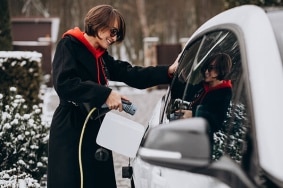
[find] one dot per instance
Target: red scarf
(200, 96)
(96, 52)
(224, 84)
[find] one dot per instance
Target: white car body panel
(262, 60)
(258, 36)
(159, 177)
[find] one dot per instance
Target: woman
(211, 98)
(81, 68)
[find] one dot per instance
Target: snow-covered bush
(12, 179)
(23, 137)
(230, 140)
(21, 70)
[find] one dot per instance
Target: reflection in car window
(231, 139)
(210, 97)
(184, 70)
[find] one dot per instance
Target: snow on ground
(51, 99)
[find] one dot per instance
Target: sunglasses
(210, 67)
(114, 32)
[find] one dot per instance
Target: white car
(247, 152)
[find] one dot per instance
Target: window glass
(231, 139)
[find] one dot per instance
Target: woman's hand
(184, 113)
(114, 101)
(172, 69)
(187, 113)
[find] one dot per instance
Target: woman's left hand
(172, 69)
(184, 113)
(187, 113)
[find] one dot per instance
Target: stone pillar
(183, 41)
(150, 57)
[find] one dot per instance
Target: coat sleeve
(71, 79)
(136, 76)
(215, 107)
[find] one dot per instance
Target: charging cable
(128, 107)
(80, 146)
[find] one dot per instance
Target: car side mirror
(186, 144)
(185, 141)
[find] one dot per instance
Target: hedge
(21, 70)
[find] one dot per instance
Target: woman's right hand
(114, 101)
(185, 113)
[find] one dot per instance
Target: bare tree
(207, 9)
(28, 4)
(233, 3)
(142, 17)
(168, 20)
(5, 30)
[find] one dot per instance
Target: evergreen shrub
(23, 71)
(23, 137)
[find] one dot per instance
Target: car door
(232, 140)
(245, 152)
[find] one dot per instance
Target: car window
(233, 137)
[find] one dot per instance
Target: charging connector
(129, 108)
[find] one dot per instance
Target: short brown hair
(222, 63)
(102, 17)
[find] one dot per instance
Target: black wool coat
(211, 104)
(76, 77)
